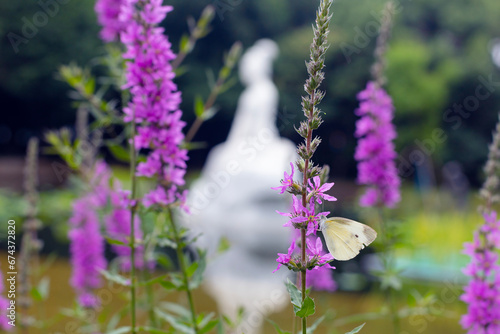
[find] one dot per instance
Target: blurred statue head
(257, 62)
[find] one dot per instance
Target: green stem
(303, 275)
(132, 226)
(182, 265)
(388, 261)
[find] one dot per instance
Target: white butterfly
(345, 238)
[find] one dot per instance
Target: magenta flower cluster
(86, 240)
(108, 12)
(482, 294)
(117, 225)
(305, 217)
(375, 150)
(155, 100)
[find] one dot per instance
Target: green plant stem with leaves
(133, 209)
(204, 111)
(390, 272)
(182, 266)
(314, 68)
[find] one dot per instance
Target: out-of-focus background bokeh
(443, 74)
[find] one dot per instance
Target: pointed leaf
(307, 309)
(154, 330)
(314, 326)
(115, 278)
(112, 241)
(121, 330)
(192, 269)
(356, 330)
(119, 152)
(199, 106)
(179, 326)
(277, 327)
(295, 295)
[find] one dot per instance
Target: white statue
(233, 199)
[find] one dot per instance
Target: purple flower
(286, 182)
(317, 254)
(108, 16)
(321, 279)
(285, 258)
(155, 101)
(87, 250)
(118, 227)
(159, 196)
(317, 190)
(482, 294)
(300, 214)
(375, 150)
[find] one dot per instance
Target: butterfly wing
(345, 238)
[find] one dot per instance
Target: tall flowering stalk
(482, 294)
(312, 189)
(376, 156)
(375, 151)
(152, 112)
(30, 244)
(86, 240)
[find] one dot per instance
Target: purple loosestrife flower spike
(375, 150)
(482, 294)
(108, 16)
(87, 250)
(155, 100)
(118, 228)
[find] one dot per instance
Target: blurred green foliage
(437, 53)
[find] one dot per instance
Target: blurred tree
(437, 54)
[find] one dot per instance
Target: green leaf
(209, 113)
(119, 152)
(177, 309)
(41, 292)
(197, 278)
(295, 295)
(176, 324)
(220, 326)
(209, 326)
(277, 327)
(199, 106)
(192, 269)
(112, 241)
(307, 309)
(168, 285)
(184, 44)
(224, 245)
(314, 326)
(89, 86)
(356, 330)
(121, 330)
(115, 278)
(164, 261)
(152, 280)
(154, 330)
